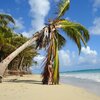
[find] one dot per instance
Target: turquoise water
(93, 74)
(88, 79)
(84, 71)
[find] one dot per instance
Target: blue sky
(31, 16)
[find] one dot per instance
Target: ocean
(88, 79)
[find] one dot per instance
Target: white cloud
(19, 23)
(88, 51)
(86, 60)
(70, 59)
(38, 12)
(95, 29)
(73, 55)
(89, 56)
(26, 34)
(64, 57)
(96, 5)
(39, 60)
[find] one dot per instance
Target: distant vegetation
(9, 42)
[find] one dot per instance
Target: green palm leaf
(67, 24)
(7, 17)
(63, 7)
(1, 39)
(75, 31)
(74, 36)
(61, 40)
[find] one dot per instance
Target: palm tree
(5, 30)
(24, 58)
(52, 40)
(55, 40)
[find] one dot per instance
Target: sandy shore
(30, 88)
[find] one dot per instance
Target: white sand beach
(29, 87)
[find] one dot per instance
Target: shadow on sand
(25, 81)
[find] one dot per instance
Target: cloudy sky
(31, 16)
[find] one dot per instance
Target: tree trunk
(20, 66)
(7, 60)
(0, 79)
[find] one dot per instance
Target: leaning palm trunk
(7, 60)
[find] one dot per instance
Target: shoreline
(29, 87)
(89, 85)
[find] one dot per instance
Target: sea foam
(94, 76)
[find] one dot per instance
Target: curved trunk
(7, 60)
(20, 66)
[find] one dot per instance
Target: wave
(94, 76)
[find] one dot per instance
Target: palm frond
(63, 7)
(43, 38)
(1, 39)
(61, 40)
(84, 32)
(67, 24)
(7, 17)
(3, 22)
(74, 36)
(75, 31)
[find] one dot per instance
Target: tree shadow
(25, 81)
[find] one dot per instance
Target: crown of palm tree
(5, 19)
(5, 30)
(51, 38)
